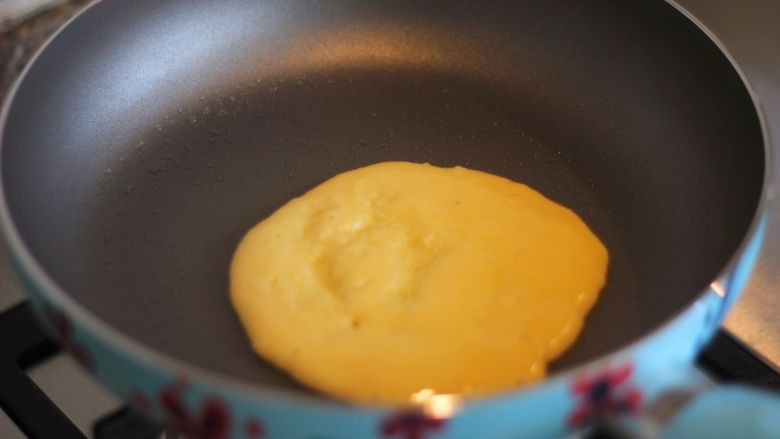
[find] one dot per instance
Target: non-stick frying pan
(148, 136)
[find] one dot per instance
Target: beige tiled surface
(7, 428)
(78, 395)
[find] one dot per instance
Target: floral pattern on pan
(607, 392)
(211, 418)
(411, 424)
(63, 328)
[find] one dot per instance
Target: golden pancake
(398, 277)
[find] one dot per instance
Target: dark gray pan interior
(151, 134)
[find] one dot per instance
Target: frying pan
(148, 136)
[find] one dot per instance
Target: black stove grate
(23, 344)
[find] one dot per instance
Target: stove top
(44, 394)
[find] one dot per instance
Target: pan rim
(159, 360)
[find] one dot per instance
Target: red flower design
(253, 428)
(411, 424)
(608, 392)
(212, 420)
(63, 327)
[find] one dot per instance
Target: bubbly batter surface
(398, 277)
